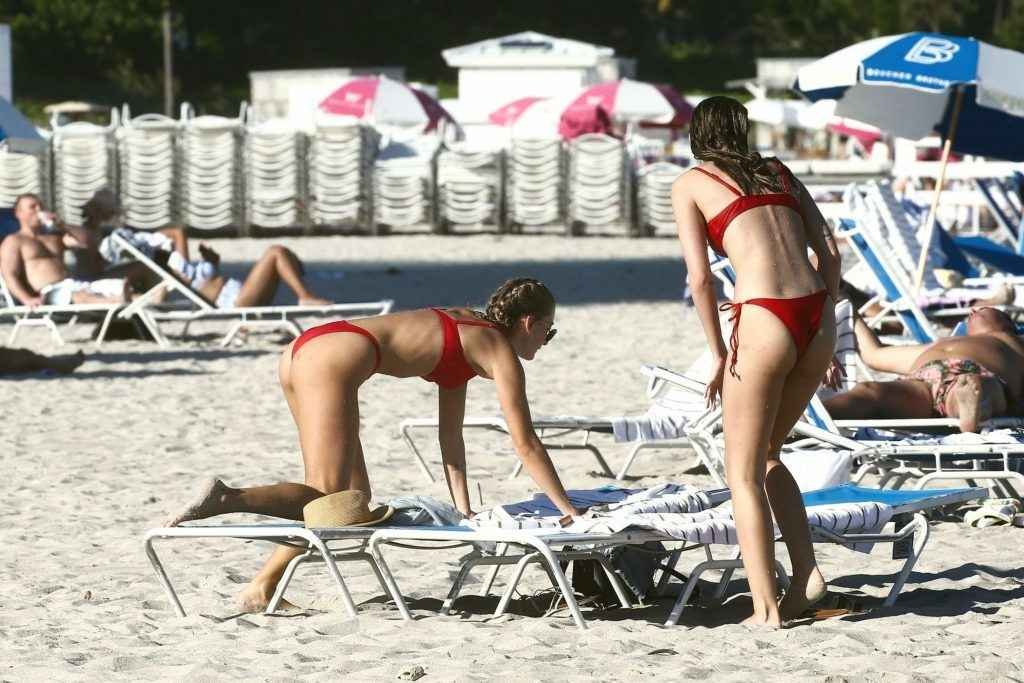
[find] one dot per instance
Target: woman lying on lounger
(322, 370)
(170, 246)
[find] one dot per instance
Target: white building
(497, 71)
(294, 94)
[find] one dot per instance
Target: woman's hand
(713, 394)
(835, 374)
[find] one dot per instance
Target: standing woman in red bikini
(322, 370)
(754, 210)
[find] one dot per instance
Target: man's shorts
(60, 293)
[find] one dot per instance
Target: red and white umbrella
(513, 111)
(382, 100)
(593, 109)
(630, 101)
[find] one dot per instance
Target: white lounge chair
(198, 308)
(48, 316)
(843, 515)
(661, 427)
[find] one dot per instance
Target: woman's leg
(766, 354)
(277, 263)
(906, 398)
(807, 585)
(326, 412)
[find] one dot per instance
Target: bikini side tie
(734, 339)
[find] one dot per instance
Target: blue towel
(994, 254)
(541, 506)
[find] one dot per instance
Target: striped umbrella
(384, 101)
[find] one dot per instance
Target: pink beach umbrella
(382, 100)
(550, 116)
(630, 101)
(511, 112)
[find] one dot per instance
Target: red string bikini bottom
(801, 316)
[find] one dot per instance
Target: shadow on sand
(418, 284)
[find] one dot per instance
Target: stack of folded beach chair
(274, 169)
(470, 184)
(403, 183)
(210, 186)
(654, 197)
(147, 158)
(535, 194)
(21, 173)
(340, 157)
(84, 160)
(598, 183)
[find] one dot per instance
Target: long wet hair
(718, 133)
(517, 298)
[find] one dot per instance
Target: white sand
(91, 461)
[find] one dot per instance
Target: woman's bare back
(411, 342)
(767, 245)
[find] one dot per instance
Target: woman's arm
(877, 356)
(819, 236)
(510, 381)
(451, 409)
(693, 237)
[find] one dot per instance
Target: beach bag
(635, 566)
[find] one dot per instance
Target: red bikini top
(452, 370)
(720, 223)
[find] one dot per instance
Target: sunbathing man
(322, 371)
(32, 263)
(970, 378)
(277, 263)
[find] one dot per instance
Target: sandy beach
(92, 460)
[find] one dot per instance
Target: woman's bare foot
(802, 594)
(207, 503)
(256, 597)
(313, 301)
(967, 403)
(762, 622)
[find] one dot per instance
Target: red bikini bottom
(801, 316)
(331, 328)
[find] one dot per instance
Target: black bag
(119, 328)
(635, 566)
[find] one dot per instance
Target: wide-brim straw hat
(344, 508)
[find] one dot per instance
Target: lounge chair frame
(198, 308)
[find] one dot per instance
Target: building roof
(528, 48)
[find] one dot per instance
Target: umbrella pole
(930, 224)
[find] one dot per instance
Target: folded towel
(655, 425)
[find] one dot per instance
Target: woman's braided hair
(718, 133)
(519, 297)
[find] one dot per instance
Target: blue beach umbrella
(915, 84)
(909, 84)
(20, 134)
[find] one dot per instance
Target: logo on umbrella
(931, 50)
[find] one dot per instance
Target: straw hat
(344, 508)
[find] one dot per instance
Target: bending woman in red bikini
(322, 370)
(757, 212)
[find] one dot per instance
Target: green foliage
(110, 51)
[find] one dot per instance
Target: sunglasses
(550, 335)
